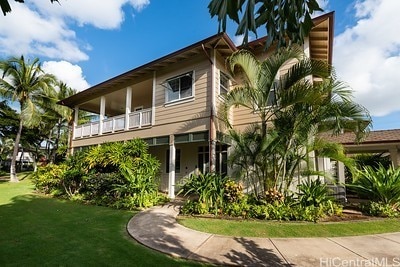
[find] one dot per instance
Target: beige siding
(187, 110)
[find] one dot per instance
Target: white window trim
(180, 100)
(221, 73)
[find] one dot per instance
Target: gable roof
(320, 37)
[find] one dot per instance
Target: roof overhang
(220, 42)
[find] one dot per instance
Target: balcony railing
(136, 120)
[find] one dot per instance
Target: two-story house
(172, 103)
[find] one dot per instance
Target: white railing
(136, 119)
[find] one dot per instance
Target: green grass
(249, 228)
(41, 231)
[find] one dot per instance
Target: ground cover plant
(122, 175)
(43, 231)
(212, 193)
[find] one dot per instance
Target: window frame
(179, 99)
(228, 79)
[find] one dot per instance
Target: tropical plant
(292, 110)
(5, 5)
(314, 193)
(209, 188)
(26, 83)
(379, 185)
(282, 19)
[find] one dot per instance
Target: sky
(87, 42)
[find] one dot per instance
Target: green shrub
(233, 191)
(381, 209)
(209, 188)
(194, 207)
(378, 184)
(48, 179)
(313, 193)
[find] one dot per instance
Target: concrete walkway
(157, 228)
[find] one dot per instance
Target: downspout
(212, 141)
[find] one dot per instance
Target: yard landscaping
(38, 231)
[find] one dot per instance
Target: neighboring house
(383, 141)
(172, 104)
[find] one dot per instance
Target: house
(172, 103)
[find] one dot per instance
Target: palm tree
(296, 108)
(26, 83)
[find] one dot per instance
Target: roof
(373, 137)
(219, 41)
(321, 42)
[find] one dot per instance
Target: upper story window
(223, 83)
(179, 87)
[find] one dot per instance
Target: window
(177, 161)
(180, 87)
(203, 159)
(223, 83)
(221, 164)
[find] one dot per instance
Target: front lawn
(255, 228)
(38, 231)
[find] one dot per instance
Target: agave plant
(378, 184)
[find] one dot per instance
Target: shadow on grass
(159, 230)
(37, 231)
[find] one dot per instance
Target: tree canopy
(5, 5)
(282, 18)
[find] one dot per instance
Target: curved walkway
(157, 228)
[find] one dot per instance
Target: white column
(394, 156)
(213, 107)
(341, 173)
(172, 158)
(153, 100)
(102, 113)
(128, 106)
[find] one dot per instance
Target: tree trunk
(13, 172)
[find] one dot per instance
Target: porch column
(153, 100)
(102, 113)
(128, 106)
(394, 156)
(341, 173)
(213, 108)
(172, 158)
(76, 120)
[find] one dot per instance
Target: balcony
(136, 120)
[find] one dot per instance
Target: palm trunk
(13, 173)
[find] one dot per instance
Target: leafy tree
(282, 19)
(26, 83)
(5, 5)
(292, 110)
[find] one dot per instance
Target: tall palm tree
(295, 107)
(26, 83)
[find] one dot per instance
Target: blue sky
(87, 42)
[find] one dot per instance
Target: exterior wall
(188, 162)
(188, 115)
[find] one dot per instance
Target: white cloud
(43, 29)
(367, 55)
(68, 73)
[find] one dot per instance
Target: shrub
(313, 193)
(378, 184)
(194, 207)
(233, 191)
(48, 179)
(381, 209)
(209, 188)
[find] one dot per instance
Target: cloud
(367, 56)
(43, 29)
(68, 73)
